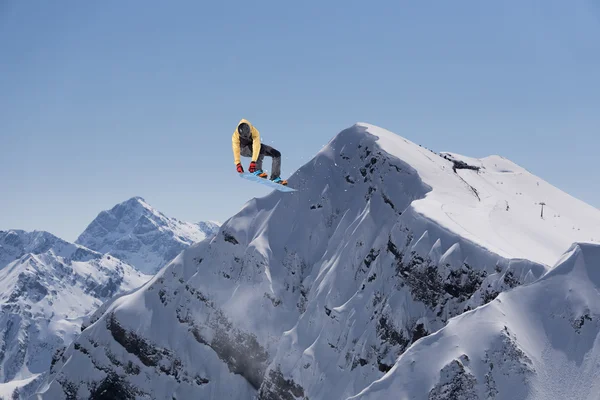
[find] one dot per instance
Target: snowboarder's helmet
(244, 130)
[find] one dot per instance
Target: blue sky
(102, 101)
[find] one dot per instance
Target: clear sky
(104, 100)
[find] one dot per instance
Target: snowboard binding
(280, 181)
(260, 173)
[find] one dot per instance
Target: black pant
(265, 150)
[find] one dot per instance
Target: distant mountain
(142, 236)
(15, 244)
(47, 287)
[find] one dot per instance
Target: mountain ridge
(546, 331)
(46, 286)
(387, 244)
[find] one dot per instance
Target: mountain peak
(136, 203)
(137, 200)
(506, 197)
(139, 234)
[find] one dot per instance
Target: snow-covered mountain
(15, 244)
(315, 294)
(47, 286)
(141, 235)
(538, 341)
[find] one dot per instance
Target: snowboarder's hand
(252, 168)
(240, 169)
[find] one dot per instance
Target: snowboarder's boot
(260, 173)
(279, 180)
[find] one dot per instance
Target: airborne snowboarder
(246, 142)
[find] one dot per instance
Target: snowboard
(266, 182)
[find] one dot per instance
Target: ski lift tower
(542, 204)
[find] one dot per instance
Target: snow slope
(539, 341)
(520, 231)
(385, 244)
(480, 214)
(141, 235)
(46, 286)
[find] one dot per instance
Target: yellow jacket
(235, 142)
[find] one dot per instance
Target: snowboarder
(246, 142)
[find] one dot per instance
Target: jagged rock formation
(539, 341)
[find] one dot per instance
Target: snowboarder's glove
(240, 169)
(252, 168)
